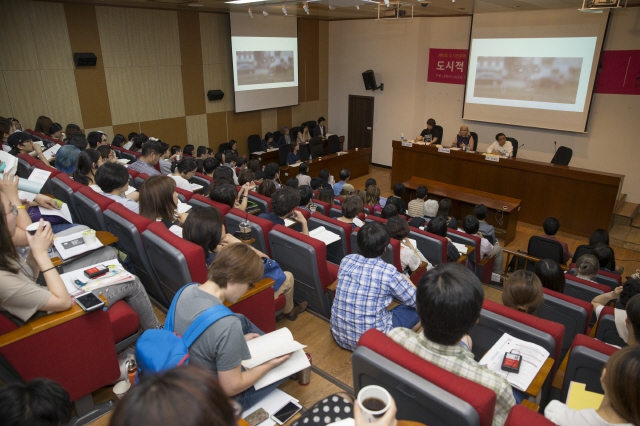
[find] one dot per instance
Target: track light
(386, 2)
(250, 13)
(284, 9)
(357, 7)
(305, 6)
(332, 7)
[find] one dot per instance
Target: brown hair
(267, 188)
(186, 396)
(622, 383)
(523, 292)
(156, 198)
(351, 206)
(236, 263)
(633, 314)
(247, 176)
(372, 195)
(8, 255)
(42, 124)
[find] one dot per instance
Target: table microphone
(555, 146)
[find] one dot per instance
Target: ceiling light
(357, 7)
(305, 6)
(386, 2)
(239, 1)
(250, 13)
(264, 9)
(284, 9)
(332, 7)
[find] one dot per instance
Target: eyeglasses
(14, 210)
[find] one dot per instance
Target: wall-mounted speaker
(215, 95)
(369, 79)
(85, 59)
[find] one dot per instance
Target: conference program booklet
(73, 245)
(78, 283)
(324, 235)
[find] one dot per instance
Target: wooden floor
(331, 370)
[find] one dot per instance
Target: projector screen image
(528, 78)
(264, 67)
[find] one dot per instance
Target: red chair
(583, 289)
(202, 201)
(305, 258)
(185, 194)
(605, 328)
(341, 228)
(139, 179)
(262, 201)
(423, 391)
(609, 279)
(433, 247)
(523, 416)
(338, 200)
(90, 206)
(63, 189)
(322, 207)
(483, 267)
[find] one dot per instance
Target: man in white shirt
(471, 225)
(501, 146)
(623, 293)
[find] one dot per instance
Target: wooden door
(360, 133)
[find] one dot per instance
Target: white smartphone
(284, 414)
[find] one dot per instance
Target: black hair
(203, 227)
(500, 134)
(398, 227)
(551, 226)
(304, 169)
(210, 164)
(200, 164)
(321, 119)
(78, 140)
(604, 254)
(324, 176)
(219, 156)
(284, 200)
(369, 182)
(437, 226)
(185, 166)
(448, 288)
(481, 211)
(231, 143)
(629, 289)
(394, 201)
(201, 151)
(470, 224)
(104, 151)
(111, 176)
(633, 313)
(373, 239)
(225, 194)
(268, 135)
(344, 174)
(242, 160)
(86, 161)
(139, 141)
(254, 165)
(315, 183)
(53, 128)
(293, 183)
(421, 192)
(188, 149)
(398, 190)
(222, 175)
(351, 206)
(599, 236)
(444, 208)
(94, 138)
(40, 402)
(271, 170)
(389, 211)
(175, 149)
(230, 157)
(118, 140)
(431, 122)
(131, 135)
(551, 275)
(152, 147)
(246, 176)
(305, 194)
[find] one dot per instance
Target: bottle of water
(402, 137)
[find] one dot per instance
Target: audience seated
(306, 197)
(67, 159)
(188, 150)
(471, 225)
(605, 256)
(444, 211)
(351, 207)
(438, 226)
(587, 267)
(22, 143)
(357, 307)
(633, 320)
(247, 176)
(41, 402)
(326, 195)
(372, 198)
(138, 141)
(621, 295)
(267, 142)
(324, 180)
(119, 140)
(416, 207)
(227, 194)
(293, 183)
(113, 181)
(410, 257)
(303, 174)
(488, 231)
(107, 153)
(223, 346)
(267, 188)
(42, 124)
(445, 342)
(283, 204)
(523, 292)
(183, 172)
(598, 236)
(396, 198)
(550, 274)
(431, 209)
(88, 162)
(96, 139)
(389, 211)
(78, 140)
(621, 383)
(347, 189)
(272, 172)
(345, 174)
(159, 201)
(222, 175)
(551, 226)
(150, 154)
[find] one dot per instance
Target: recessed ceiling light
(196, 4)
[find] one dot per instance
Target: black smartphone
(89, 302)
(511, 362)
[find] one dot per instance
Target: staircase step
(621, 200)
(625, 214)
(635, 222)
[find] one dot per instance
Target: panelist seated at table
(321, 129)
(293, 157)
(463, 139)
(431, 134)
(501, 146)
(267, 142)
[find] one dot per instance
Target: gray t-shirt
(222, 346)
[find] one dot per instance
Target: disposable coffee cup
(89, 237)
(121, 388)
(34, 227)
(374, 401)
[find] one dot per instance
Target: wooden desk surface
(582, 200)
(538, 381)
(356, 161)
(105, 237)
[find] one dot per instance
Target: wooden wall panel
(147, 93)
(215, 33)
(269, 121)
(5, 104)
(17, 49)
(217, 129)
(26, 95)
(50, 36)
(152, 128)
(284, 117)
(323, 65)
(139, 26)
(197, 133)
(114, 38)
(167, 37)
(191, 56)
(307, 111)
(310, 43)
(175, 131)
(90, 81)
(171, 94)
(125, 129)
(219, 76)
(241, 126)
(61, 94)
(121, 87)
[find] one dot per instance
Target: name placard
(494, 158)
(407, 144)
(444, 150)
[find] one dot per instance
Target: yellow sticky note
(579, 398)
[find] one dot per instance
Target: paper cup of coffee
(121, 388)
(89, 237)
(34, 227)
(374, 401)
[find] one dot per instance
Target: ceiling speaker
(85, 59)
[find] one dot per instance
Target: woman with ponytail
(523, 292)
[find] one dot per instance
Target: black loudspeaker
(85, 59)
(369, 80)
(215, 95)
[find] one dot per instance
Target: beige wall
(154, 69)
(398, 53)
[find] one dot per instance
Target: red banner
(448, 66)
(620, 73)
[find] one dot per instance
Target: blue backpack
(162, 349)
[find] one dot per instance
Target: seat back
(562, 156)
(139, 180)
(316, 147)
(606, 330)
(128, 227)
(391, 254)
(201, 201)
(129, 155)
(514, 144)
(582, 289)
(584, 366)
(63, 188)
(283, 151)
(201, 181)
(263, 202)
(339, 249)
(608, 278)
(423, 392)
(545, 248)
(333, 144)
(253, 143)
(223, 147)
(470, 240)
(311, 124)
(184, 195)
(323, 207)
(176, 261)
(574, 314)
(335, 212)
(305, 258)
(580, 251)
(90, 206)
(474, 135)
(294, 133)
(24, 168)
(433, 247)
(525, 416)
(47, 188)
(304, 152)
(232, 223)
(439, 130)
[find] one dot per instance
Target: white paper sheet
(63, 212)
(183, 207)
(269, 346)
(51, 152)
(461, 248)
(73, 245)
(271, 404)
(324, 235)
(195, 187)
(69, 278)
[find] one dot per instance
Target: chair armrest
(462, 258)
(558, 379)
(41, 324)
(486, 259)
(530, 405)
(260, 286)
(333, 286)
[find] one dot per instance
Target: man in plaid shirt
(449, 303)
(366, 287)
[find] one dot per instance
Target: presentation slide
(534, 70)
(265, 62)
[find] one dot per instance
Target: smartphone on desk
(89, 302)
(284, 414)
